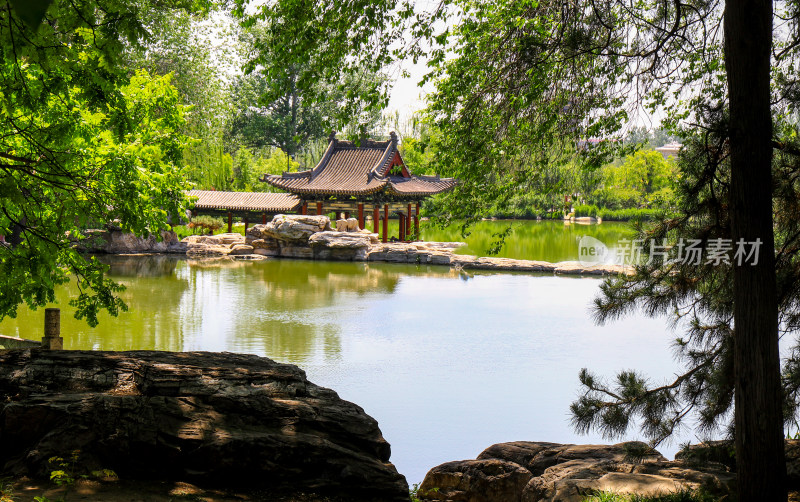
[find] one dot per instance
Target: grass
(680, 496)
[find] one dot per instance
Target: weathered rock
(566, 473)
(225, 419)
(296, 251)
(213, 245)
(295, 228)
(228, 239)
(487, 480)
(347, 246)
(572, 480)
(347, 225)
(537, 457)
(240, 249)
(266, 243)
(115, 241)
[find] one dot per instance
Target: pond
(447, 362)
(552, 241)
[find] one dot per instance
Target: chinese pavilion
(354, 179)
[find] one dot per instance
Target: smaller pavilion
(352, 179)
(250, 206)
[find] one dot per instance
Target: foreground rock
(222, 419)
(525, 471)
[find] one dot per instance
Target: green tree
(642, 179)
(82, 142)
(282, 100)
(181, 44)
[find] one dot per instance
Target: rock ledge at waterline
(526, 471)
(311, 237)
(218, 418)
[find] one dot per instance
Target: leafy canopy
(82, 143)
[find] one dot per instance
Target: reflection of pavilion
(350, 178)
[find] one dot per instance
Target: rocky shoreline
(312, 237)
(221, 419)
(248, 428)
(525, 471)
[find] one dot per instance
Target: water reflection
(290, 310)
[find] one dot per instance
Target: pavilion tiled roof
(347, 169)
(263, 202)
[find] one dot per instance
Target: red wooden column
(246, 223)
(408, 219)
(361, 215)
(416, 221)
(385, 221)
(347, 215)
(304, 209)
(263, 218)
(401, 222)
(376, 218)
(230, 222)
(319, 208)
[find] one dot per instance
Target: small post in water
(52, 330)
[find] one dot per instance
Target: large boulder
(475, 481)
(216, 245)
(566, 473)
(340, 245)
(295, 228)
(220, 418)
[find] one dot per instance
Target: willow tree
(520, 85)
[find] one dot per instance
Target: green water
(552, 241)
(447, 362)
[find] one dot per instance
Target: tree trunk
(758, 416)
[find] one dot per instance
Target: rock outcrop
(525, 471)
(114, 241)
(219, 418)
(213, 245)
(294, 227)
(349, 246)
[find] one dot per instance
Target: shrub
(205, 224)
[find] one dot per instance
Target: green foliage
(205, 224)
(31, 11)
(82, 140)
(643, 179)
(302, 49)
(6, 490)
(280, 109)
(181, 45)
(249, 167)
